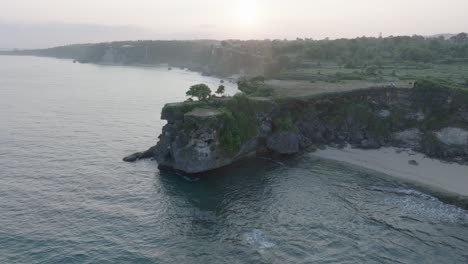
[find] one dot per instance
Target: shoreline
(231, 78)
(448, 178)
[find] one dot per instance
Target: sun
(247, 12)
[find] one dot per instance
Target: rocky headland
(429, 118)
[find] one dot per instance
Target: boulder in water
(141, 155)
(134, 157)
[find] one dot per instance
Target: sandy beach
(436, 174)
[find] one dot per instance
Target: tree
(250, 86)
(201, 91)
(221, 90)
(460, 38)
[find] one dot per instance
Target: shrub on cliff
(200, 91)
(230, 136)
(247, 87)
(284, 122)
(255, 87)
(174, 111)
(438, 97)
(239, 122)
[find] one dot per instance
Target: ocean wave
(402, 191)
(258, 239)
(415, 203)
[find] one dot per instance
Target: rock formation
(202, 136)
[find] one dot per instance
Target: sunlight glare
(247, 12)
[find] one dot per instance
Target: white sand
(448, 177)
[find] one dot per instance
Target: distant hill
(290, 59)
(210, 57)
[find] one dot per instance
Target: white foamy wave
(190, 179)
(417, 204)
(434, 210)
(258, 239)
(400, 191)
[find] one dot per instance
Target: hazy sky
(219, 19)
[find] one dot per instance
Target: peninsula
(426, 116)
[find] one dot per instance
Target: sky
(22, 22)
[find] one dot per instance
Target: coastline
(450, 178)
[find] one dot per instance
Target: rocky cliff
(202, 136)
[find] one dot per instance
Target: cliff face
(191, 143)
(202, 136)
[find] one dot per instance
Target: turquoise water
(66, 196)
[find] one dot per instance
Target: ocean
(66, 196)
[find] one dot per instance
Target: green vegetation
(351, 111)
(255, 87)
(235, 128)
(234, 118)
(200, 91)
(368, 58)
(331, 72)
(174, 111)
(441, 100)
(362, 52)
(221, 89)
(240, 125)
(284, 122)
(230, 135)
(375, 59)
(355, 116)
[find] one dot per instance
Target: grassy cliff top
(204, 112)
(294, 88)
(174, 111)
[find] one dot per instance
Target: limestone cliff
(202, 136)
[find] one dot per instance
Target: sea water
(67, 197)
